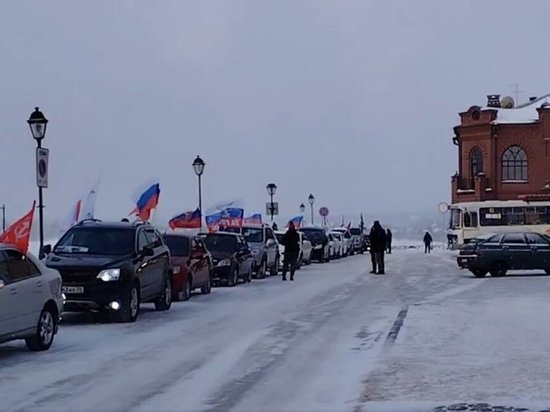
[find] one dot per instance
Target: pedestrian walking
(378, 245)
(291, 242)
(389, 237)
(428, 242)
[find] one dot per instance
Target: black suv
(113, 267)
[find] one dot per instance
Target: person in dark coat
(428, 242)
(291, 242)
(378, 241)
(389, 237)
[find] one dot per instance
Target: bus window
(455, 222)
(470, 219)
(491, 216)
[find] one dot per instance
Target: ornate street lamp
(271, 190)
(38, 123)
(198, 167)
(311, 200)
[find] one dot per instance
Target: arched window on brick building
(514, 164)
(476, 162)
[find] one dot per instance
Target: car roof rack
(89, 220)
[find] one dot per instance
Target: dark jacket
(377, 238)
(291, 242)
(389, 236)
(428, 238)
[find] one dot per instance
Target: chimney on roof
(493, 100)
(532, 98)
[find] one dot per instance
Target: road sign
(42, 156)
(271, 212)
(443, 207)
(323, 211)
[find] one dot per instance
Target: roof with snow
(525, 113)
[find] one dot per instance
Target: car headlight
(175, 270)
(109, 275)
(225, 262)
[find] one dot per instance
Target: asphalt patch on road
(482, 407)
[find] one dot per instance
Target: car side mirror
(47, 249)
(147, 251)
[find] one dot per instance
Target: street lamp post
(302, 208)
(311, 200)
(3, 218)
(271, 189)
(38, 123)
(198, 166)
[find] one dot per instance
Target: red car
(191, 265)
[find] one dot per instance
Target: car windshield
(220, 243)
(315, 235)
(178, 245)
(97, 241)
(253, 235)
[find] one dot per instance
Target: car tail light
(55, 287)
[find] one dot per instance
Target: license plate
(72, 289)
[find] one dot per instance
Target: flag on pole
(147, 201)
(19, 233)
(254, 219)
(297, 220)
(187, 220)
(88, 203)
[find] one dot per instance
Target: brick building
(503, 151)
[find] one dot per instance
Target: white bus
(470, 220)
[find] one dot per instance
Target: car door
(198, 267)
(27, 285)
(244, 255)
(158, 261)
(8, 300)
(272, 247)
(540, 250)
(515, 251)
(145, 270)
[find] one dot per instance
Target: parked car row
(112, 268)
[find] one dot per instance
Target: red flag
(19, 233)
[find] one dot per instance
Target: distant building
(503, 151)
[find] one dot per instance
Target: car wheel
(164, 301)
(233, 277)
(186, 294)
(274, 271)
(262, 270)
(205, 290)
(130, 307)
(45, 331)
(499, 270)
(479, 273)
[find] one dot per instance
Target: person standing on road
(291, 242)
(428, 242)
(377, 247)
(389, 237)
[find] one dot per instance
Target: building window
(514, 164)
(476, 162)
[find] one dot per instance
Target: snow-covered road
(336, 339)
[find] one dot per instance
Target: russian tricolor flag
(297, 220)
(254, 219)
(148, 201)
(187, 220)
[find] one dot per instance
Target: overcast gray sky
(353, 101)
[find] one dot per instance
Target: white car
(335, 245)
(30, 299)
(346, 238)
(304, 258)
